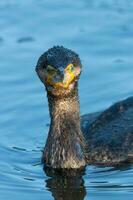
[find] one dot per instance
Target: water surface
(100, 31)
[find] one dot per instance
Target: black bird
(101, 138)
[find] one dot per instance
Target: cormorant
(104, 138)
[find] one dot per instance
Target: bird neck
(64, 109)
(65, 143)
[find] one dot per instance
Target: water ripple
(101, 32)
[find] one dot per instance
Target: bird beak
(67, 77)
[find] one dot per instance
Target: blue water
(101, 32)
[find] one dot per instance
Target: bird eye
(72, 68)
(50, 69)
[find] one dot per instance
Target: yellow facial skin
(53, 77)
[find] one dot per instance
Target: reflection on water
(66, 185)
(100, 31)
(69, 184)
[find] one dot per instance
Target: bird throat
(65, 144)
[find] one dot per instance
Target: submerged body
(103, 138)
(110, 134)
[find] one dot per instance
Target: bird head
(59, 69)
